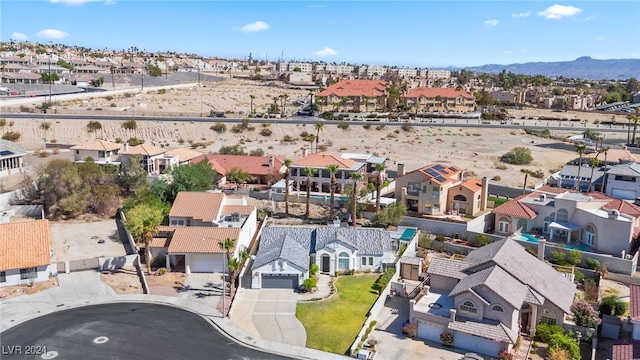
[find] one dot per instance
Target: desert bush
(304, 134)
(219, 127)
(496, 178)
(256, 152)
(612, 305)
(517, 156)
(266, 132)
(53, 141)
(288, 139)
(232, 150)
(161, 271)
(406, 127)
(410, 330)
(592, 263)
(134, 141)
(367, 126)
(500, 166)
(12, 136)
(343, 125)
(162, 91)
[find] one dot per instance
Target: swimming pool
(408, 234)
(533, 239)
(328, 197)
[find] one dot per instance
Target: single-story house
(25, 252)
(285, 254)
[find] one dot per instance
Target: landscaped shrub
(592, 263)
(440, 238)
(545, 331)
(425, 241)
(343, 125)
(266, 132)
(612, 305)
(383, 280)
(517, 156)
(310, 283)
(410, 329)
(557, 354)
(584, 314)
(562, 341)
(447, 339)
(578, 276)
(558, 257)
(482, 239)
(574, 257)
(313, 270)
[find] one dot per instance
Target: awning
(565, 226)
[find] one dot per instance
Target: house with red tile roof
(625, 350)
(354, 95)
(594, 220)
(265, 169)
(321, 181)
(25, 252)
(198, 221)
(439, 100)
(439, 189)
(634, 310)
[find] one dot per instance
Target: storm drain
(100, 340)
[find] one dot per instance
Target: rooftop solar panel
(5, 152)
(438, 167)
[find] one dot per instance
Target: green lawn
(332, 325)
(497, 201)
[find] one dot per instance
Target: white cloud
(253, 27)
(491, 23)
(634, 55)
(327, 51)
(559, 11)
(589, 18)
(523, 14)
(78, 2)
(51, 34)
(18, 36)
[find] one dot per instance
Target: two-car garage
(279, 281)
(429, 330)
(476, 344)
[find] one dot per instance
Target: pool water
(533, 239)
(328, 197)
(408, 234)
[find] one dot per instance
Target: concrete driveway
(274, 316)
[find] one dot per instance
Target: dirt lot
(78, 240)
(125, 281)
(8, 292)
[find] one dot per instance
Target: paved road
(125, 331)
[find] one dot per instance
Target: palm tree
(605, 150)
(526, 173)
(309, 171)
(333, 170)
(344, 102)
(365, 99)
(580, 149)
(379, 168)
(251, 97)
(634, 118)
(284, 104)
(275, 104)
(318, 127)
(287, 163)
(143, 221)
(227, 244)
(311, 138)
(235, 264)
(593, 164)
(355, 176)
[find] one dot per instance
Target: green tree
(319, 127)
(62, 189)
(391, 215)
(526, 173)
(593, 164)
(239, 176)
(154, 71)
(517, 156)
(310, 172)
(612, 305)
(634, 118)
(191, 177)
(580, 149)
(132, 176)
(333, 170)
(232, 150)
(565, 343)
(379, 169)
(605, 151)
(355, 177)
(287, 163)
(143, 222)
(130, 125)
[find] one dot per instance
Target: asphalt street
(123, 331)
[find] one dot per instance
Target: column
(568, 236)
(533, 320)
(167, 262)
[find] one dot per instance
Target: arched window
(343, 261)
(497, 308)
(548, 317)
(563, 215)
(459, 198)
(468, 307)
(589, 235)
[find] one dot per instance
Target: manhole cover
(50, 355)
(100, 340)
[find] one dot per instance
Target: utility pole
(50, 42)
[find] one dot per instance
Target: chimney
(484, 193)
(541, 245)
(271, 161)
(400, 170)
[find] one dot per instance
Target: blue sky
(401, 33)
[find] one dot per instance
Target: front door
(326, 263)
(524, 322)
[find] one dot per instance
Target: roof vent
(542, 197)
(613, 214)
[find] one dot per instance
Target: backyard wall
(117, 262)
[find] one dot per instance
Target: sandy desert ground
(477, 150)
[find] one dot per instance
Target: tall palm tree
(344, 102)
(365, 99)
(333, 170)
(526, 173)
(227, 244)
(284, 102)
(251, 97)
(281, 97)
(143, 221)
(234, 265)
(287, 163)
(275, 104)
(634, 118)
(379, 168)
(355, 176)
(605, 150)
(593, 164)
(580, 149)
(319, 127)
(311, 138)
(309, 171)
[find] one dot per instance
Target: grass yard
(332, 325)
(497, 201)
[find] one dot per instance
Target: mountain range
(581, 68)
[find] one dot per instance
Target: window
(589, 235)
(364, 261)
(101, 154)
(343, 261)
(371, 261)
(413, 189)
(77, 152)
(459, 198)
(3, 276)
(563, 215)
(503, 226)
(177, 222)
(468, 308)
(435, 191)
(497, 308)
(26, 274)
(548, 317)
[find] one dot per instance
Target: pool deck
(562, 244)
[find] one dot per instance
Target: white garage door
(623, 194)
(429, 331)
(206, 263)
(476, 344)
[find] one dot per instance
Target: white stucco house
(25, 252)
(285, 254)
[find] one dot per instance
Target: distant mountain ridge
(583, 68)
